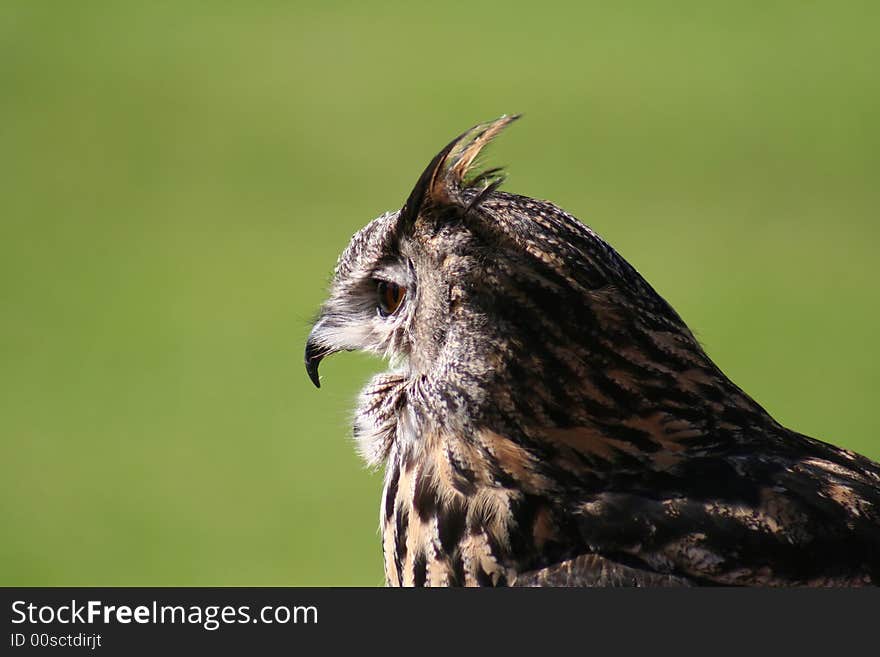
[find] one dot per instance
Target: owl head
(472, 292)
(388, 284)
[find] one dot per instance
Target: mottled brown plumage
(551, 421)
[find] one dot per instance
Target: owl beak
(313, 357)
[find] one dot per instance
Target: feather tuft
(450, 172)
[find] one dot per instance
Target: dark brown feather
(594, 570)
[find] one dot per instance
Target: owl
(549, 420)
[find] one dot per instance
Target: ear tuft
(448, 173)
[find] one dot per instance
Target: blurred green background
(178, 178)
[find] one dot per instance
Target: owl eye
(390, 297)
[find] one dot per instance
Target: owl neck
(637, 394)
(478, 477)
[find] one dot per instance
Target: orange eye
(390, 297)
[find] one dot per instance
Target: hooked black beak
(317, 350)
(313, 357)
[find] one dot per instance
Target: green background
(177, 179)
